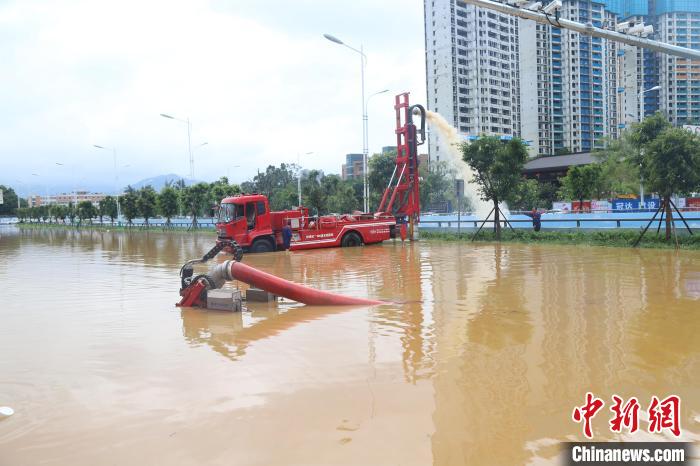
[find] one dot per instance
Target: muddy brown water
(481, 363)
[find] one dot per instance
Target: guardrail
(173, 225)
(556, 223)
(617, 221)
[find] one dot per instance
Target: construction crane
(550, 15)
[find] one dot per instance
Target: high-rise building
(559, 90)
(471, 69)
(675, 22)
(575, 79)
(678, 22)
(353, 167)
(491, 73)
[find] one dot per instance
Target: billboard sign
(576, 207)
(600, 205)
(693, 202)
(564, 206)
(693, 129)
(634, 204)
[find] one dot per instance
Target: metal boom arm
(588, 29)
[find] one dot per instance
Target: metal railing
(468, 224)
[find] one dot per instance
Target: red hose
(294, 291)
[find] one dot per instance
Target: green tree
(340, 195)
(313, 192)
(86, 211)
(221, 188)
(195, 200)
(108, 208)
(129, 205)
(437, 185)
(35, 213)
(581, 181)
(9, 205)
(274, 178)
(168, 203)
(284, 198)
(526, 197)
(71, 212)
(146, 203)
(619, 164)
(60, 212)
(22, 214)
(53, 211)
(44, 213)
(671, 164)
(646, 132)
(381, 166)
(497, 167)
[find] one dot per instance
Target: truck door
(250, 215)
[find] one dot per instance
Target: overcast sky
(257, 79)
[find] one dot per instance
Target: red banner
(575, 206)
(692, 202)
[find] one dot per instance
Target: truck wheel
(350, 240)
(262, 245)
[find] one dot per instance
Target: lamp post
(641, 101)
(641, 117)
(18, 198)
(228, 171)
(116, 176)
(189, 138)
(299, 174)
(363, 63)
(39, 183)
(75, 191)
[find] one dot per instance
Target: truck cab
(246, 219)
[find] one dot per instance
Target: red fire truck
(247, 218)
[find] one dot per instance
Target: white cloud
(258, 82)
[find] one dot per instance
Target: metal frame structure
(588, 29)
(407, 187)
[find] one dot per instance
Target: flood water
(481, 362)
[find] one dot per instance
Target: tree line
(322, 193)
(174, 199)
(667, 159)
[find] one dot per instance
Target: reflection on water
(481, 361)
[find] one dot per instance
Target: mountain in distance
(157, 182)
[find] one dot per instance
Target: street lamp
(39, 183)
(75, 192)
(641, 117)
(18, 198)
(363, 63)
(299, 174)
(641, 101)
(116, 176)
(189, 140)
(228, 171)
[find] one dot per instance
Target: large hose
(232, 270)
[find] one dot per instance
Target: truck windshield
(230, 212)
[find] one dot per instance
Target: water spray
(449, 136)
